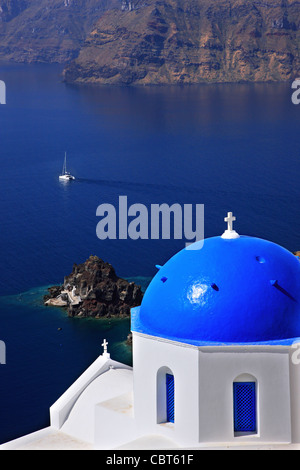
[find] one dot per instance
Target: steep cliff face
(9, 9)
(155, 41)
(47, 31)
(191, 41)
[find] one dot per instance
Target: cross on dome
(230, 219)
(104, 344)
(230, 233)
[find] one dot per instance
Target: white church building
(216, 359)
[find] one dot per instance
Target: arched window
(165, 396)
(170, 398)
(245, 404)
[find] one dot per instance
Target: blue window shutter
(244, 405)
(170, 397)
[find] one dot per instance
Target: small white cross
(104, 344)
(230, 219)
(230, 233)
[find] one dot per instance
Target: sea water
(231, 147)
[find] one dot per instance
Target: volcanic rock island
(93, 289)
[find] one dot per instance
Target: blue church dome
(229, 290)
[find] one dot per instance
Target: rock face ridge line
(155, 42)
(34, 31)
(191, 41)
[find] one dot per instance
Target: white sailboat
(65, 175)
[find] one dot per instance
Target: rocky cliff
(94, 290)
(191, 41)
(47, 31)
(155, 41)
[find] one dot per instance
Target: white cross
(230, 219)
(230, 233)
(104, 344)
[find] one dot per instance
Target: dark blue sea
(231, 147)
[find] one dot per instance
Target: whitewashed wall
(204, 390)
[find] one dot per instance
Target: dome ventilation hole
(275, 283)
(215, 287)
(164, 279)
(260, 259)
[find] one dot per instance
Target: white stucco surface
(51, 439)
(112, 406)
(108, 386)
(46, 439)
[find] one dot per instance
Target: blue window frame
(170, 397)
(244, 406)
